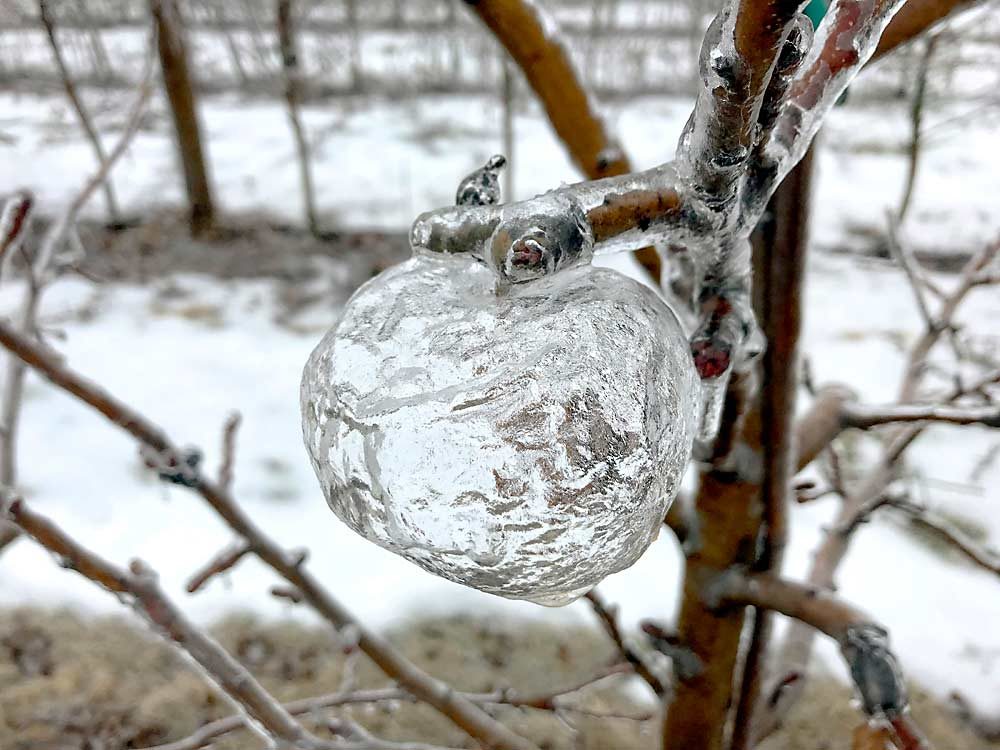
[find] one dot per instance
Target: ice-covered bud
(875, 671)
(482, 187)
(553, 236)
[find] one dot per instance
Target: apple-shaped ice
(526, 443)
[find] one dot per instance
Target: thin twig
(951, 535)
(866, 417)
(904, 257)
(609, 619)
(81, 111)
(225, 560)
(229, 450)
(212, 731)
(293, 102)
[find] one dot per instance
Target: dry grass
(70, 683)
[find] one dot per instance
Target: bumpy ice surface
(526, 444)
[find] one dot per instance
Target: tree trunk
(740, 506)
(183, 108)
(780, 243)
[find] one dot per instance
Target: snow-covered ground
(187, 357)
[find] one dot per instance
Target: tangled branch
(290, 566)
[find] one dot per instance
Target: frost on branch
(527, 444)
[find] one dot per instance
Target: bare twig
(212, 731)
(38, 272)
(140, 588)
(229, 450)
(476, 722)
(609, 619)
(951, 535)
(224, 561)
(987, 727)
(81, 111)
(916, 117)
(866, 417)
(13, 226)
(863, 642)
(904, 257)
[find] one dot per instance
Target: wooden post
(183, 108)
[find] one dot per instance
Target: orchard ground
(188, 331)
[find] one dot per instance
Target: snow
(380, 163)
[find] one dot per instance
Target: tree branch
(139, 587)
(472, 719)
(609, 619)
(913, 19)
(81, 112)
(863, 642)
(864, 417)
(531, 38)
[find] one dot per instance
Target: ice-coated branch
(138, 587)
(465, 714)
(751, 124)
(846, 40)
(863, 642)
(532, 39)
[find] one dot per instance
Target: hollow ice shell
(525, 444)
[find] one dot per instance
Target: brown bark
(780, 244)
(184, 111)
(548, 70)
(914, 18)
(729, 520)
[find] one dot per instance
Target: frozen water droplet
(525, 444)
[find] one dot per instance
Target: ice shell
(525, 444)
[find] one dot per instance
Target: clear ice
(525, 441)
